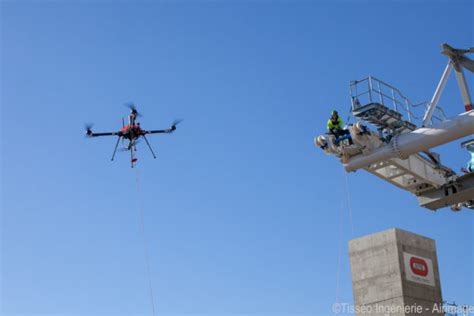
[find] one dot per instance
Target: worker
(335, 125)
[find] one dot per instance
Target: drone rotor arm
(104, 134)
(159, 131)
(164, 131)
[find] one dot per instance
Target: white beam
(466, 98)
(439, 89)
(421, 139)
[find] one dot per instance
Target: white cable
(145, 245)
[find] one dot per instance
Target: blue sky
(241, 210)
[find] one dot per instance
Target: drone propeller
(88, 128)
(133, 108)
(175, 122)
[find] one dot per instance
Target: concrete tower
(395, 273)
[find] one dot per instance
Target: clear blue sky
(241, 210)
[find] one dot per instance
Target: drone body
(131, 132)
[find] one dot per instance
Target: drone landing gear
(149, 146)
(115, 149)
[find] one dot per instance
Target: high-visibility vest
(337, 125)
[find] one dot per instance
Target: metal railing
(373, 90)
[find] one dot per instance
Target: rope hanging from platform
(339, 250)
(344, 191)
(348, 200)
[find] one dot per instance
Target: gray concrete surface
(395, 273)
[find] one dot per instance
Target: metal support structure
(422, 139)
(370, 89)
(394, 102)
(376, 91)
(380, 92)
(437, 94)
(459, 192)
(458, 61)
(414, 174)
(466, 98)
(400, 152)
(407, 108)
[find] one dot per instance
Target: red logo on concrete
(419, 266)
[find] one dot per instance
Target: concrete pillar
(395, 273)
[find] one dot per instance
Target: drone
(131, 132)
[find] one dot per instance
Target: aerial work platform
(386, 107)
(382, 117)
(399, 150)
